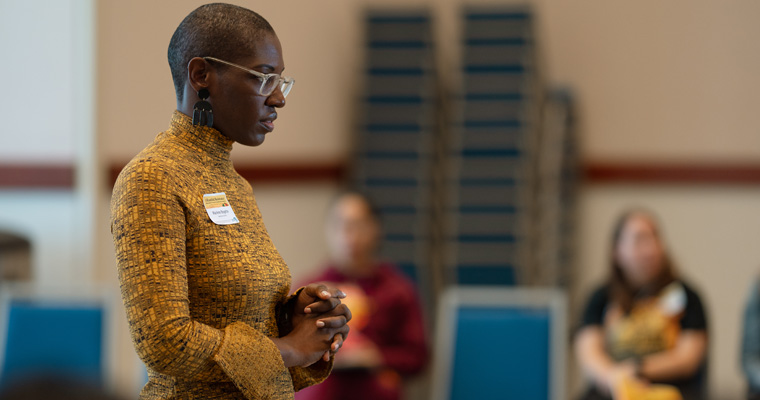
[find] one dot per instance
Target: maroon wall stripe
(62, 176)
(655, 173)
(36, 176)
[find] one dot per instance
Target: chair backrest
(500, 343)
(45, 335)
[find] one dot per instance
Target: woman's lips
(268, 122)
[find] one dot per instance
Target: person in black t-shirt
(750, 355)
(644, 325)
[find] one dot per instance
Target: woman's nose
(276, 99)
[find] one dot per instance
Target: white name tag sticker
(219, 209)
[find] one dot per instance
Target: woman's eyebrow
(264, 66)
(268, 67)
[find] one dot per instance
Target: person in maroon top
(387, 341)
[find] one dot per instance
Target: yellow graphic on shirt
(652, 326)
(215, 200)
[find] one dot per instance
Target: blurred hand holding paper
(631, 389)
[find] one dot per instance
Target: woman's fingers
(323, 298)
(331, 310)
(332, 322)
(335, 346)
(338, 339)
(337, 330)
(322, 306)
(321, 291)
(345, 311)
(337, 343)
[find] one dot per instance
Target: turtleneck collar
(205, 139)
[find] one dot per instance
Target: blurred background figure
(645, 324)
(751, 342)
(387, 341)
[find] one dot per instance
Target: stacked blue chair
(558, 176)
(492, 148)
(394, 146)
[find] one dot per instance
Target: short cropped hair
(220, 30)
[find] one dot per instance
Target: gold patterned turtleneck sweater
(202, 299)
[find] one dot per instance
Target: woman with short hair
(205, 290)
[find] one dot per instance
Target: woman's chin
(255, 139)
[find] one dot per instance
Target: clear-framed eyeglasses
(269, 82)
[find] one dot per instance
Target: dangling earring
(202, 112)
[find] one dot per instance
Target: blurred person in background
(645, 325)
(387, 340)
(751, 342)
(204, 288)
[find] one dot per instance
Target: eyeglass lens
(269, 86)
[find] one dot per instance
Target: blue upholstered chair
(45, 335)
(500, 343)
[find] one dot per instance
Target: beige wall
(136, 95)
(300, 235)
(667, 81)
(661, 81)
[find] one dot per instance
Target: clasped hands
(319, 324)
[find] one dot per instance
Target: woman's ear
(198, 74)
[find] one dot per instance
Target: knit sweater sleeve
(149, 230)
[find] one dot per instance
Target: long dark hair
(622, 292)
